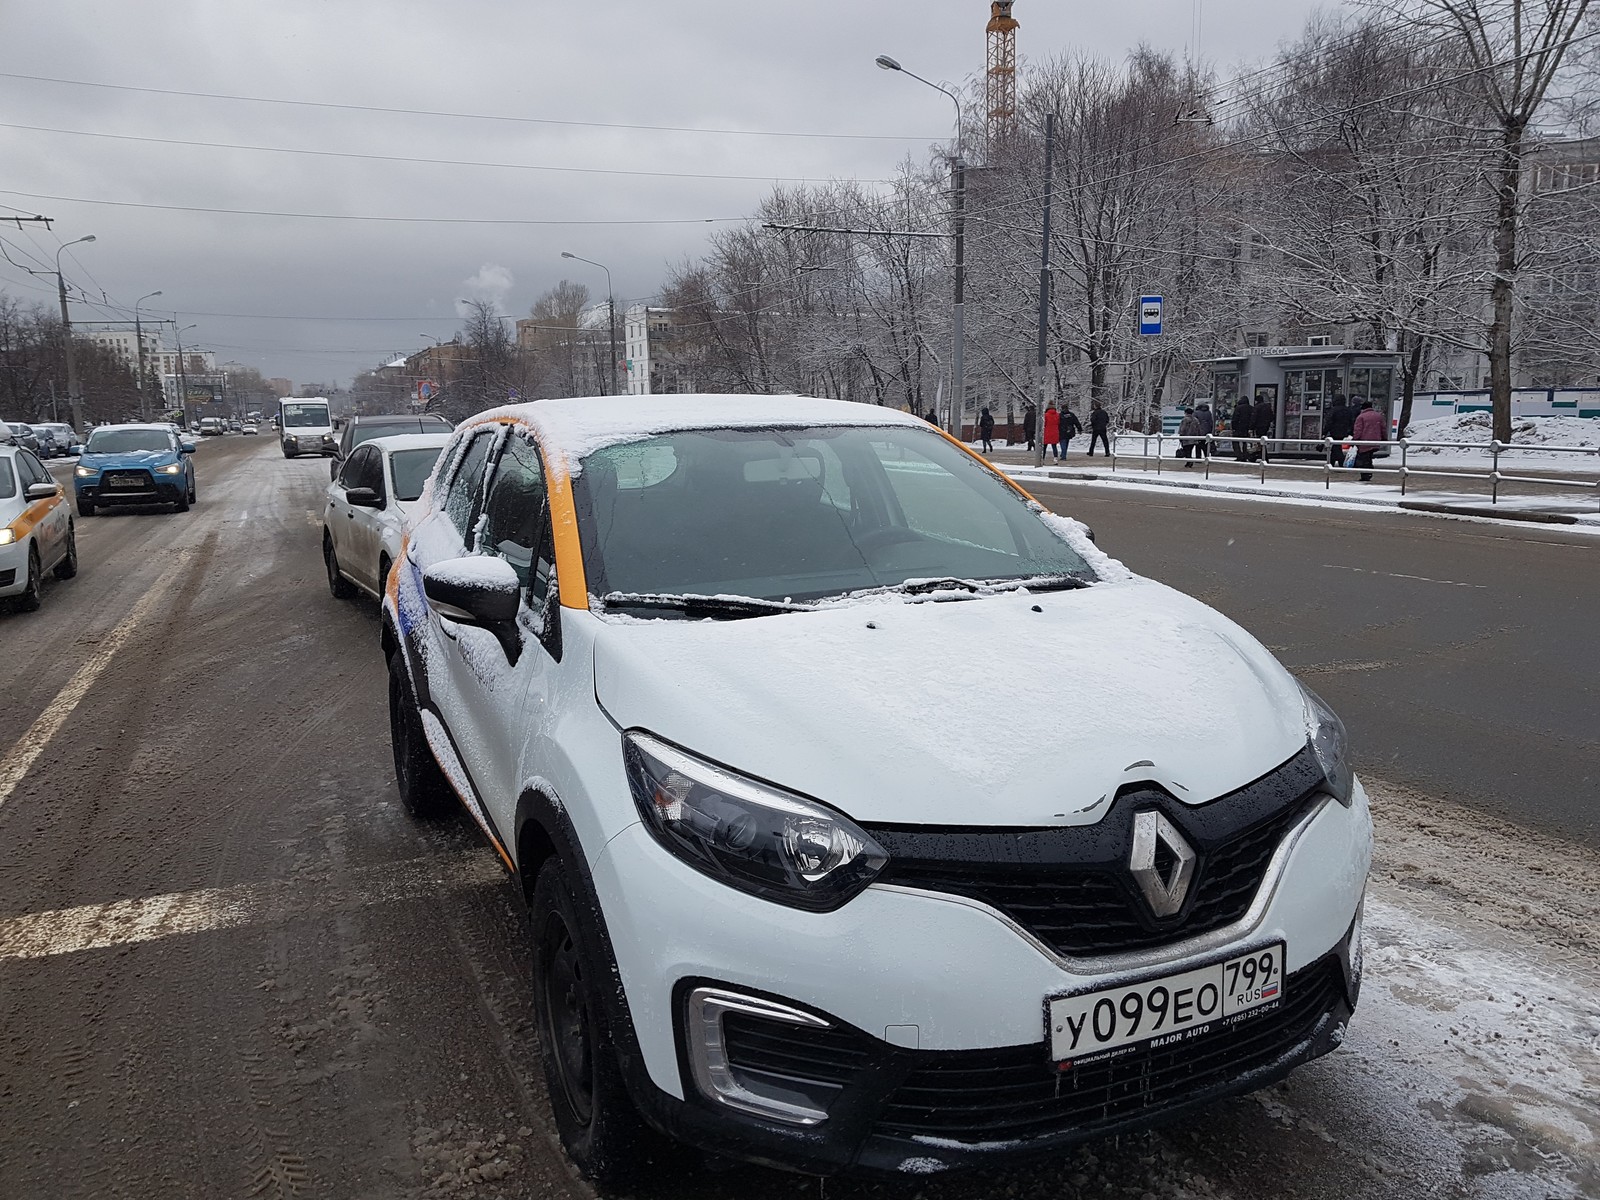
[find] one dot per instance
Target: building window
(1320, 339)
(1258, 338)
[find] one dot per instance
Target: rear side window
(467, 482)
(8, 481)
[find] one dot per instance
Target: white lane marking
(14, 766)
(207, 910)
(1396, 575)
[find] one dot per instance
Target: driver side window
(517, 520)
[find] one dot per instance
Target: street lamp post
(958, 174)
(74, 396)
(183, 373)
(611, 306)
(138, 336)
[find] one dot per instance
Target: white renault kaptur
(871, 819)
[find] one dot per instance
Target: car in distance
(23, 435)
(306, 427)
(364, 519)
(134, 464)
(695, 666)
(359, 429)
(251, 428)
(36, 529)
(65, 437)
(211, 427)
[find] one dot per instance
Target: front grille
(1098, 909)
(994, 1095)
(7, 578)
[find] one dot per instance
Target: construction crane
(1000, 79)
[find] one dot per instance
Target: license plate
(127, 481)
(1166, 1010)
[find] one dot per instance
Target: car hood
(132, 458)
(1015, 709)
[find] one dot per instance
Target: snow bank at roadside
(1531, 433)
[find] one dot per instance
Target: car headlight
(1331, 745)
(748, 835)
(7, 536)
(170, 469)
(84, 472)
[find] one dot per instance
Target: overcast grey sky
(764, 66)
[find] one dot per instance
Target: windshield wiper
(731, 606)
(988, 587)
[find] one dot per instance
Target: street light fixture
(138, 336)
(958, 173)
(74, 397)
(611, 306)
(183, 371)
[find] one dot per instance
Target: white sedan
(36, 530)
(367, 508)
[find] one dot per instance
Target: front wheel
(85, 507)
(68, 566)
(341, 587)
(33, 594)
(599, 1127)
(423, 788)
(181, 504)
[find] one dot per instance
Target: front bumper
(935, 1006)
(318, 444)
(162, 489)
(14, 568)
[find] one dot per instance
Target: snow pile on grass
(1477, 428)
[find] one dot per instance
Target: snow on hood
(967, 712)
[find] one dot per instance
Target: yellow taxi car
(36, 529)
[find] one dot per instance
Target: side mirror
(48, 491)
(75, 450)
(186, 447)
(479, 589)
(363, 497)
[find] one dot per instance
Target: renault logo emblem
(1151, 833)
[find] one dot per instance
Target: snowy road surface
(230, 966)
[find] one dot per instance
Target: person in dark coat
(986, 430)
(1368, 428)
(1030, 425)
(1208, 423)
(1188, 436)
(1338, 423)
(1243, 420)
(1265, 420)
(1099, 427)
(1071, 427)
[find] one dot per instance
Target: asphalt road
(1464, 657)
(231, 966)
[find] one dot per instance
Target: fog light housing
(1350, 956)
(722, 1082)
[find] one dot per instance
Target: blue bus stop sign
(1149, 316)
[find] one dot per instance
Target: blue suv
(134, 464)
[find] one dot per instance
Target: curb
(1198, 485)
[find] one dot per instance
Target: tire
(599, 1127)
(68, 566)
(341, 587)
(33, 594)
(423, 789)
(181, 504)
(85, 507)
(383, 573)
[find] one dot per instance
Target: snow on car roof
(409, 441)
(164, 426)
(577, 426)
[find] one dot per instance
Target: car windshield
(804, 514)
(410, 469)
(8, 481)
(127, 441)
(301, 416)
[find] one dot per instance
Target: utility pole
(74, 395)
(1046, 379)
(958, 360)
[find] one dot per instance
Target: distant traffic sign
(1149, 316)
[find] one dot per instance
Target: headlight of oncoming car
(80, 472)
(1330, 744)
(171, 469)
(749, 835)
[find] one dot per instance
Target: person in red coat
(1052, 429)
(1369, 428)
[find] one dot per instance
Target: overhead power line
(401, 158)
(425, 112)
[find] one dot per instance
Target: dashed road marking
(1397, 575)
(14, 766)
(209, 910)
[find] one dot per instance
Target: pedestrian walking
(1368, 428)
(1338, 423)
(1264, 421)
(1071, 427)
(986, 430)
(1188, 435)
(1240, 425)
(1030, 425)
(1052, 429)
(1208, 426)
(1099, 427)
